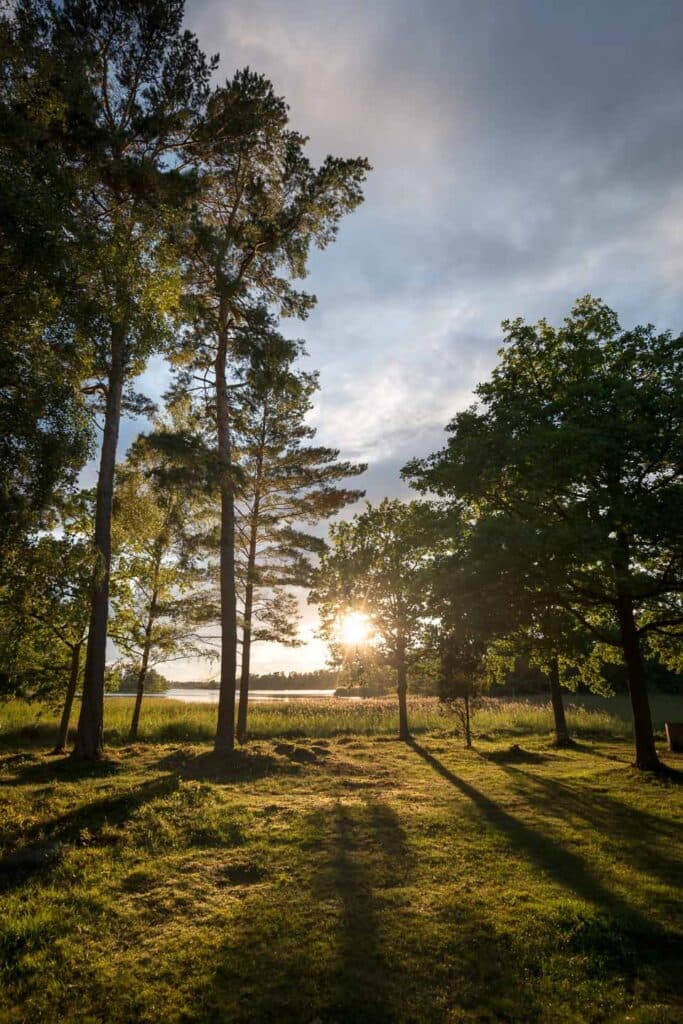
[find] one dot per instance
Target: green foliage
(124, 679)
(378, 564)
(157, 602)
(572, 460)
(285, 483)
(44, 608)
(568, 475)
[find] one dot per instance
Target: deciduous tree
(378, 564)
(576, 444)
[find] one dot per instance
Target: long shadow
(362, 973)
(562, 866)
(623, 827)
(395, 961)
(315, 952)
(23, 862)
(34, 771)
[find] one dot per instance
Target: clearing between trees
(331, 875)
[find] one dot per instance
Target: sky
(524, 152)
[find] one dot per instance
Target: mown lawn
(348, 878)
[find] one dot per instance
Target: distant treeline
(526, 680)
(323, 679)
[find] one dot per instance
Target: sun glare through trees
(353, 629)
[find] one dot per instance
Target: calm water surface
(192, 696)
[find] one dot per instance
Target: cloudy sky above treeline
(525, 152)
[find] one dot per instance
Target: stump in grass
(674, 736)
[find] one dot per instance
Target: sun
(353, 628)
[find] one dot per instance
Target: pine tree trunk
(225, 727)
(243, 709)
(402, 689)
(90, 722)
(646, 753)
(63, 733)
(562, 737)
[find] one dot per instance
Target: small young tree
(377, 564)
(286, 483)
(156, 597)
(44, 617)
(462, 677)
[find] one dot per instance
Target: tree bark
(90, 722)
(562, 737)
(468, 724)
(225, 726)
(243, 708)
(646, 753)
(402, 689)
(63, 733)
(142, 675)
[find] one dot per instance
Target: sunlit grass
(165, 721)
(343, 879)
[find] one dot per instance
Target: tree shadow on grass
(314, 950)
(32, 770)
(398, 959)
(367, 853)
(84, 825)
(633, 834)
(661, 948)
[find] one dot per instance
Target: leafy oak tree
(576, 445)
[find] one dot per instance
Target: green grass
(168, 721)
(332, 874)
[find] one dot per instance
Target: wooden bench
(674, 736)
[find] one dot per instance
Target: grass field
(332, 874)
(163, 720)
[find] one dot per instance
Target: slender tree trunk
(402, 689)
(646, 753)
(139, 694)
(225, 727)
(562, 737)
(142, 675)
(468, 724)
(243, 708)
(90, 722)
(63, 733)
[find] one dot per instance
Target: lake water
(195, 696)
